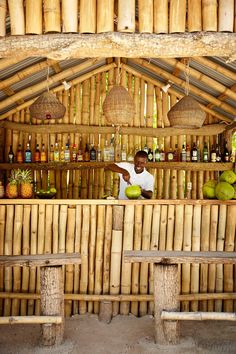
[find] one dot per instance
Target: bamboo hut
(78, 51)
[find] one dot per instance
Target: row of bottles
(27, 156)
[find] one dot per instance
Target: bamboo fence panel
(145, 16)
(87, 16)
(25, 251)
(2, 233)
(52, 16)
(92, 251)
(16, 11)
(160, 16)
(3, 13)
(33, 24)
(126, 16)
(209, 15)
(105, 14)
(226, 15)
(69, 10)
(177, 16)
(194, 16)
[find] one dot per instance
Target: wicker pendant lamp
(187, 112)
(118, 106)
(47, 106)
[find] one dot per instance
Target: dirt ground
(124, 335)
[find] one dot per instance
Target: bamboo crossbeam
(197, 316)
(115, 44)
(180, 257)
(212, 129)
(41, 260)
(31, 320)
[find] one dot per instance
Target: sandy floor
(124, 335)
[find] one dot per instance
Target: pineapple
(12, 186)
(26, 188)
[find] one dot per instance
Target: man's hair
(142, 154)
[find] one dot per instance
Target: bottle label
(27, 156)
(10, 158)
(213, 157)
(170, 156)
(92, 155)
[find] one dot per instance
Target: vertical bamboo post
(84, 257)
(63, 220)
(2, 233)
(194, 16)
(52, 16)
(205, 231)
(146, 237)
(55, 227)
(34, 24)
(162, 241)
(226, 16)
(126, 267)
(52, 303)
(116, 249)
(48, 229)
(178, 227)
(40, 249)
(212, 247)
(209, 15)
(166, 292)
(33, 250)
(78, 232)
(145, 16)
(87, 16)
(177, 16)
(92, 248)
(8, 246)
(69, 16)
(170, 228)
(138, 217)
(126, 16)
(16, 12)
(3, 13)
(196, 234)
(107, 250)
(105, 16)
(161, 16)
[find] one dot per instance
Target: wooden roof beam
(115, 44)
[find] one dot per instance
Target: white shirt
(145, 179)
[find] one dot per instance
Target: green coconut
(224, 191)
(234, 185)
(208, 189)
(228, 176)
(133, 192)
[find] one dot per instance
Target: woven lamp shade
(47, 106)
(118, 106)
(186, 113)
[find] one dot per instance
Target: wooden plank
(180, 257)
(42, 260)
(114, 44)
(31, 319)
(198, 316)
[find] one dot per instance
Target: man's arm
(114, 168)
(146, 194)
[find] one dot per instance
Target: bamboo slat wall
(84, 107)
(101, 232)
(154, 16)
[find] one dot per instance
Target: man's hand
(126, 176)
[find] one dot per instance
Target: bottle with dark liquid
(194, 153)
(19, 154)
(226, 155)
(28, 153)
(213, 154)
(37, 154)
(11, 155)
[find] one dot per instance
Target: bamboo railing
(101, 231)
(154, 16)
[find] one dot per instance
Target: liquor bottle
(67, 153)
(157, 155)
(11, 155)
(74, 153)
(56, 153)
(188, 153)
(226, 155)
(170, 155)
(194, 153)
(106, 152)
(162, 154)
(62, 154)
(150, 155)
(93, 153)
(51, 153)
(86, 153)
(205, 153)
(213, 154)
(19, 154)
(37, 154)
(99, 154)
(123, 153)
(176, 153)
(43, 156)
(183, 154)
(112, 151)
(79, 156)
(28, 153)
(218, 153)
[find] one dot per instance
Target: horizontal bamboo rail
(42, 260)
(31, 320)
(197, 316)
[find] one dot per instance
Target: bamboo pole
(212, 247)
(200, 316)
(52, 16)
(194, 16)
(146, 238)
(78, 232)
(126, 16)
(209, 15)
(69, 11)
(87, 16)
(126, 267)
(116, 249)
(226, 16)
(48, 229)
(160, 16)
(92, 259)
(177, 16)
(16, 12)
(105, 16)
(40, 249)
(107, 250)
(170, 228)
(34, 24)
(205, 232)
(3, 13)
(2, 233)
(145, 16)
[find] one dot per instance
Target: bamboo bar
(200, 316)
(209, 15)
(34, 24)
(126, 16)
(226, 15)
(87, 16)
(31, 320)
(105, 14)
(145, 16)
(177, 16)
(194, 16)
(160, 16)
(52, 16)
(16, 11)
(69, 11)
(3, 12)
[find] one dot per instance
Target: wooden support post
(166, 292)
(105, 311)
(52, 303)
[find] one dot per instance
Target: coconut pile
(225, 189)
